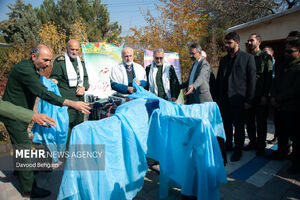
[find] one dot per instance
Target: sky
(128, 13)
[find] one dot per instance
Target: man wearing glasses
(198, 90)
(235, 88)
(161, 76)
(286, 99)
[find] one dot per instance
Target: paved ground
(251, 178)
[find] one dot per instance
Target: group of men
(160, 77)
(24, 85)
(247, 83)
(242, 89)
(245, 86)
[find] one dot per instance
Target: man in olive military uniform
(285, 97)
(162, 78)
(72, 80)
(19, 113)
(23, 86)
(259, 111)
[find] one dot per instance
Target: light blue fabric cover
(54, 137)
(182, 138)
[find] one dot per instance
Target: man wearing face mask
(70, 75)
(122, 75)
(23, 86)
(235, 89)
(162, 78)
(259, 112)
(286, 99)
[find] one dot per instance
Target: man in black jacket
(259, 112)
(285, 97)
(235, 87)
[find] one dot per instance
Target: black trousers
(275, 121)
(233, 116)
(288, 125)
(256, 121)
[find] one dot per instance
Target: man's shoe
(183, 197)
(294, 169)
(277, 155)
(291, 156)
(236, 156)
(37, 193)
(250, 146)
(273, 141)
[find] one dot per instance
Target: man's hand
(131, 90)
(191, 89)
(78, 105)
(138, 82)
(274, 103)
(263, 100)
(54, 80)
(43, 120)
(173, 99)
(80, 91)
(247, 106)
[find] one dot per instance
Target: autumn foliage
(178, 26)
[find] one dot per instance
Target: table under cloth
(181, 137)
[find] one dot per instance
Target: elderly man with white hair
(161, 76)
(123, 74)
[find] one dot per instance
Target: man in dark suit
(235, 87)
(198, 90)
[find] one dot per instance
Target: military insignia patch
(61, 58)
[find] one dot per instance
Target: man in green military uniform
(19, 113)
(285, 97)
(161, 76)
(23, 86)
(259, 110)
(72, 80)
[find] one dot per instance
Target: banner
(99, 58)
(171, 57)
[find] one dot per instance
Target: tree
(54, 37)
(204, 21)
(227, 13)
(78, 31)
(4, 56)
(22, 26)
(47, 12)
(92, 15)
(178, 25)
(22, 31)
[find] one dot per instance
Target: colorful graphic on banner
(99, 59)
(171, 57)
